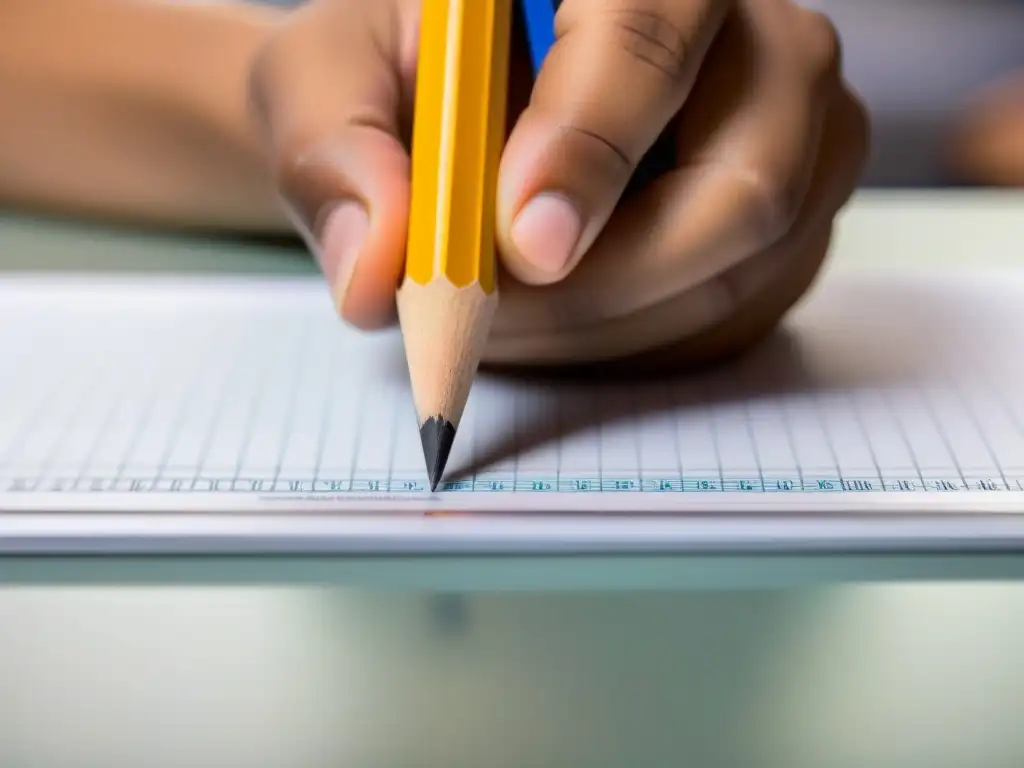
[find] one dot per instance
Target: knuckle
(603, 154)
(283, 50)
(258, 90)
(652, 38)
(293, 159)
(304, 177)
(305, 159)
(271, 67)
(773, 205)
(822, 47)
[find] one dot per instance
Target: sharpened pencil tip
(437, 436)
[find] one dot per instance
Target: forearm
(133, 110)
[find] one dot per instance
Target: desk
(934, 229)
(577, 673)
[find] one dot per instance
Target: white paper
(885, 390)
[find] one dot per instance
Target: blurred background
(927, 70)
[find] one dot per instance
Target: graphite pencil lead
(437, 436)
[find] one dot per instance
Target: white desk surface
(881, 219)
(882, 676)
(949, 228)
(953, 229)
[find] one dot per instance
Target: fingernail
(546, 231)
(341, 241)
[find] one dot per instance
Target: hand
(987, 145)
(700, 263)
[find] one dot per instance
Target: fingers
(753, 297)
(752, 136)
(619, 71)
(612, 308)
(328, 92)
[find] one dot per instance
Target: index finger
(618, 72)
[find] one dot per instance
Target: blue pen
(539, 20)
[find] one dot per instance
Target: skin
(135, 111)
(313, 108)
(987, 144)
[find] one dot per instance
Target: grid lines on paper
(276, 397)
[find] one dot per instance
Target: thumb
(329, 95)
(618, 72)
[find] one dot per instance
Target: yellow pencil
(449, 292)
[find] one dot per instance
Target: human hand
(698, 264)
(987, 142)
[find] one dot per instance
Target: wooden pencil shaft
(447, 300)
(445, 330)
(458, 134)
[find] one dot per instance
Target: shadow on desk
(841, 348)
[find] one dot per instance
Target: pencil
(449, 292)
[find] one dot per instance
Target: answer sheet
(883, 391)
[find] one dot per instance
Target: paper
(148, 392)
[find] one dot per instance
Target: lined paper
(878, 386)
